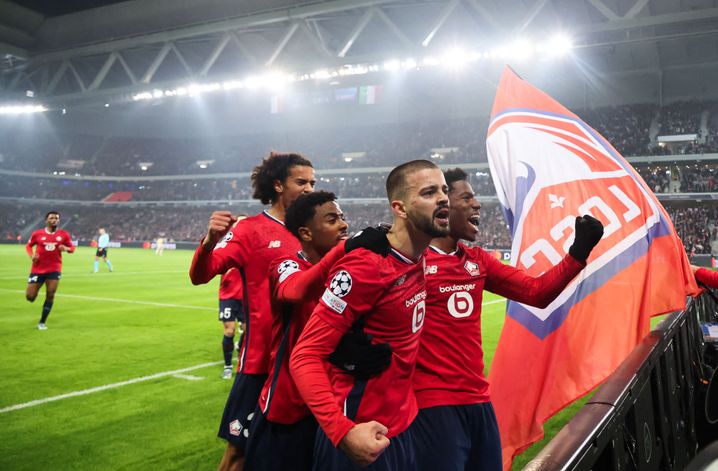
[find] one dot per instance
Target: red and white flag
(548, 167)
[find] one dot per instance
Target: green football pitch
(127, 376)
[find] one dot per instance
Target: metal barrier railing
(651, 413)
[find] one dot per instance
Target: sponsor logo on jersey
(452, 288)
(472, 268)
(58, 238)
(341, 284)
(420, 296)
(235, 428)
(333, 302)
(460, 304)
(417, 318)
(274, 244)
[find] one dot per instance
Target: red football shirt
(707, 277)
(450, 364)
(230, 285)
(50, 259)
(389, 294)
(280, 401)
(250, 246)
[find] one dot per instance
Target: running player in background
(250, 247)
(231, 312)
(368, 419)
(456, 427)
(103, 243)
(47, 262)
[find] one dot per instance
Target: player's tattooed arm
(220, 222)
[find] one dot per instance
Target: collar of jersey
(266, 213)
(300, 254)
(46, 232)
(439, 251)
(401, 257)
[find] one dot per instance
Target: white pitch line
(493, 302)
(188, 377)
(85, 392)
(118, 300)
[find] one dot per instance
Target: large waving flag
(548, 167)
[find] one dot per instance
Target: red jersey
(707, 277)
(50, 259)
(230, 285)
(450, 364)
(249, 246)
(389, 294)
(280, 401)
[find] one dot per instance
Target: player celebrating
(456, 427)
(47, 262)
(250, 247)
(283, 430)
(368, 419)
(103, 243)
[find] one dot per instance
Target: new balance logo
(274, 244)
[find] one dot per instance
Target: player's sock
(97, 265)
(109, 265)
(45, 311)
(227, 349)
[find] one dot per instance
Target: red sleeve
(232, 251)
(308, 284)
(68, 243)
(30, 244)
(516, 285)
(317, 341)
(707, 277)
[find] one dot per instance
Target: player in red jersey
(368, 419)
(47, 262)
(283, 430)
(250, 247)
(456, 427)
(231, 312)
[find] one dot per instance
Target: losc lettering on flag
(548, 167)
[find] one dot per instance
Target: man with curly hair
(249, 247)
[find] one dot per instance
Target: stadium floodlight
(559, 45)
(22, 109)
(430, 61)
(408, 64)
(520, 49)
(455, 58)
(392, 65)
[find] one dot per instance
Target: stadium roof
(91, 51)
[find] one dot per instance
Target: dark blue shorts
(231, 310)
(457, 438)
(279, 447)
(101, 252)
(239, 410)
(398, 456)
(42, 277)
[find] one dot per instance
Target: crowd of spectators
(696, 225)
(458, 141)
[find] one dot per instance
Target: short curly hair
(274, 167)
(304, 208)
(455, 175)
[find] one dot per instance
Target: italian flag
(369, 94)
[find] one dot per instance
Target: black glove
(589, 231)
(357, 355)
(371, 238)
